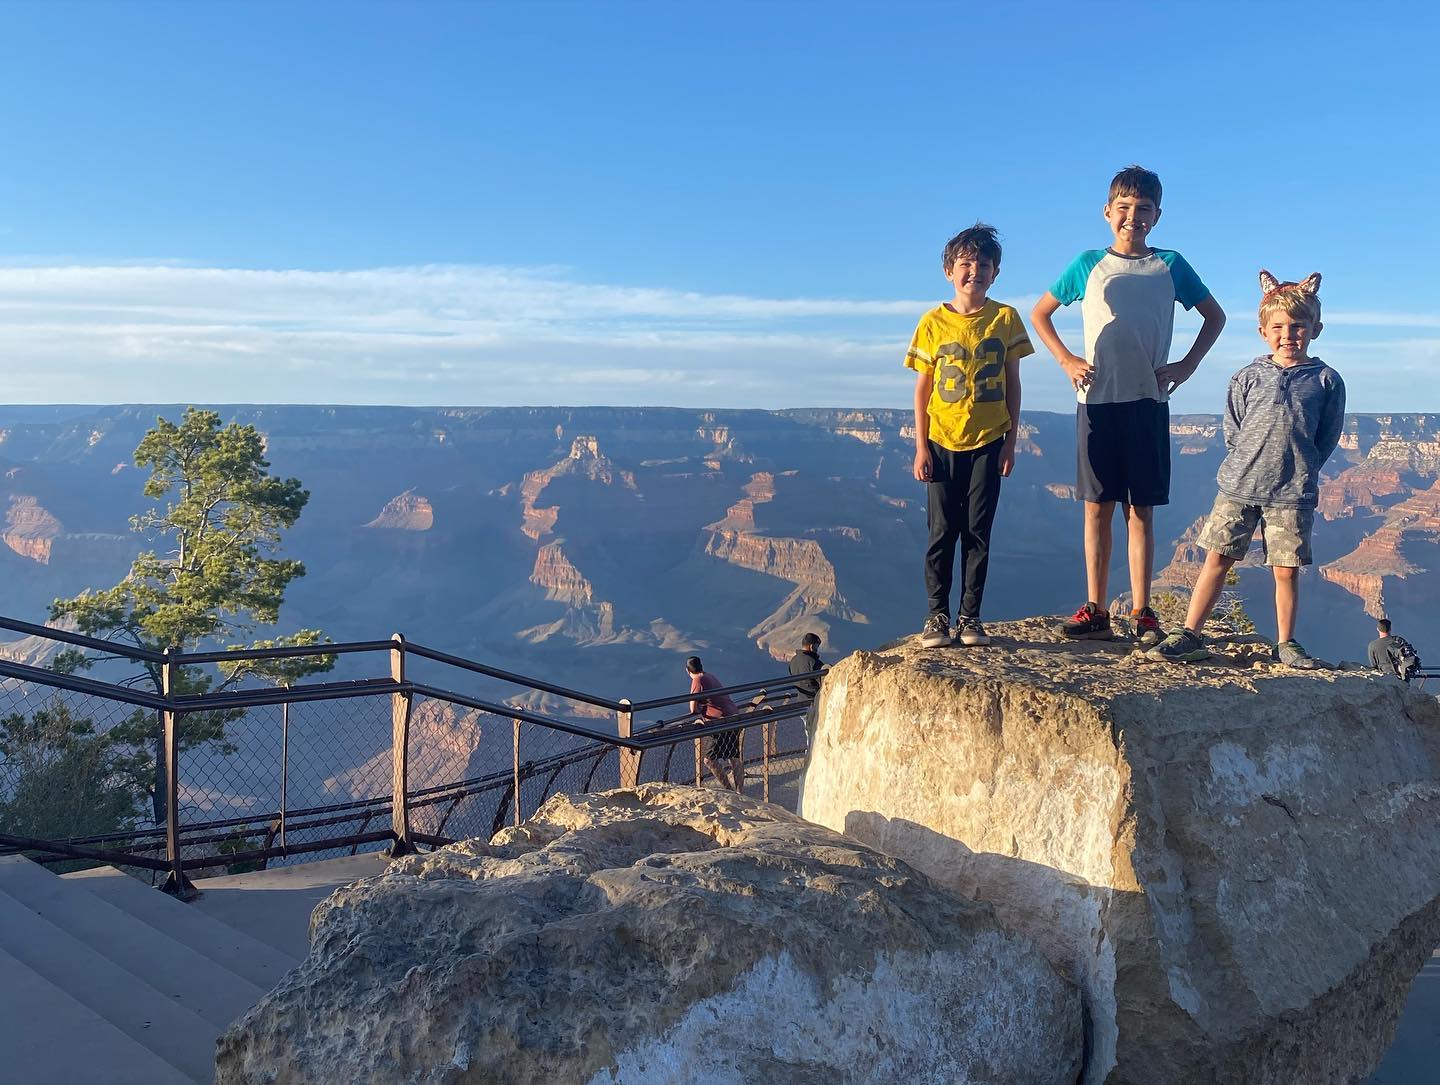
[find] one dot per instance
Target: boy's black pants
(962, 494)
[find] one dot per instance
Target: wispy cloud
(471, 334)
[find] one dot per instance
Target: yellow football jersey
(966, 356)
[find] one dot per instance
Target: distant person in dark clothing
(1393, 655)
(722, 751)
(805, 660)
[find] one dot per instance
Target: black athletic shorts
(723, 747)
(1123, 452)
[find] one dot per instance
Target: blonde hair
(1300, 299)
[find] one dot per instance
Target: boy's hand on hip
(1078, 370)
(1007, 457)
(924, 468)
(1172, 376)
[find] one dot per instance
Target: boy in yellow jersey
(966, 354)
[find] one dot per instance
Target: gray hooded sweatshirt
(1280, 427)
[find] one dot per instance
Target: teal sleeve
(1189, 290)
(1071, 284)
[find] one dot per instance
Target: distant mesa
(408, 512)
(584, 461)
(30, 529)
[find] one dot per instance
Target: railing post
(765, 738)
(515, 768)
(284, 767)
(697, 763)
(629, 759)
(176, 884)
(400, 751)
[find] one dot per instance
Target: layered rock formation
(1404, 547)
(1238, 863)
(662, 935)
(408, 512)
(737, 538)
(30, 529)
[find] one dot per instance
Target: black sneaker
(1179, 647)
(972, 633)
(1088, 623)
(935, 633)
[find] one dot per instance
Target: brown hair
(1135, 181)
(979, 241)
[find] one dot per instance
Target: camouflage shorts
(1284, 533)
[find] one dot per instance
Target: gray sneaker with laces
(1182, 646)
(1288, 653)
(936, 632)
(972, 633)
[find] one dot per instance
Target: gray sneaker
(1289, 654)
(1181, 646)
(972, 633)
(936, 632)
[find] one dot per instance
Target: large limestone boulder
(1238, 863)
(661, 935)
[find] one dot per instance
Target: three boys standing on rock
(1283, 418)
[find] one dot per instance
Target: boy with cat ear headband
(1283, 418)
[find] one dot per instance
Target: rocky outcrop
(661, 935)
(408, 512)
(556, 573)
(1238, 863)
(1410, 528)
(1358, 490)
(30, 529)
(585, 461)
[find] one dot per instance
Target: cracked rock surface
(1238, 863)
(660, 935)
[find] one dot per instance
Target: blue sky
(737, 204)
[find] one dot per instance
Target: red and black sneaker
(1147, 627)
(1088, 623)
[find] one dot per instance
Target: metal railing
(348, 763)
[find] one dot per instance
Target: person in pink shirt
(722, 751)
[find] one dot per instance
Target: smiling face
(1131, 219)
(1288, 337)
(971, 275)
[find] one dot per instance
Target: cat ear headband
(1269, 284)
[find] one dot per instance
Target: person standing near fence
(805, 660)
(722, 751)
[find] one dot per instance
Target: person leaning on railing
(722, 751)
(805, 660)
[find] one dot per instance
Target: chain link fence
(266, 776)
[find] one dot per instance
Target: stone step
(257, 961)
(47, 1038)
(153, 1020)
(194, 980)
(274, 905)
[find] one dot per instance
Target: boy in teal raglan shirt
(1127, 296)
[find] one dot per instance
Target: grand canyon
(599, 546)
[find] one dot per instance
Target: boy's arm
(1172, 376)
(1332, 420)
(1234, 411)
(924, 380)
(1076, 368)
(1012, 404)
